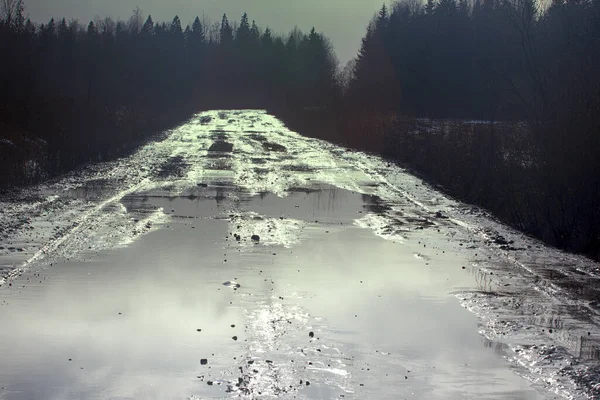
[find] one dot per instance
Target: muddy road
(233, 258)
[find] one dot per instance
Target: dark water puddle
(189, 310)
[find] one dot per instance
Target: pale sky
(344, 21)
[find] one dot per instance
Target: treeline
(492, 59)
(537, 71)
(78, 93)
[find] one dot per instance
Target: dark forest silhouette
(90, 91)
(73, 93)
(531, 77)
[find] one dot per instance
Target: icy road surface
(233, 258)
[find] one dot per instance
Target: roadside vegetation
(495, 101)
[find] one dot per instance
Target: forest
(497, 101)
(73, 93)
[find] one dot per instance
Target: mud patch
(260, 161)
(174, 167)
(221, 146)
(257, 137)
(268, 146)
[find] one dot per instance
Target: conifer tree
(226, 32)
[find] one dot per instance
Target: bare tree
(206, 24)
(107, 26)
(12, 13)
(136, 21)
(524, 14)
(214, 31)
(346, 75)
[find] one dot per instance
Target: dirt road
(234, 258)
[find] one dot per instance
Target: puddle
(137, 322)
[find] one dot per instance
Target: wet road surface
(236, 259)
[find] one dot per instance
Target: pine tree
(243, 34)
(175, 28)
(226, 32)
(48, 32)
(374, 83)
(363, 52)
(148, 28)
(267, 38)
(198, 32)
(383, 14)
(91, 29)
(254, 31)
(63, 29)
(29, 28)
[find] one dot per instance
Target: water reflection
(589, 348)
(483, 280)
(374, 204)
(127, 326)
(91, 190)
(326, 199)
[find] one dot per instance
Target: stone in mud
(311, 334)
(232, 284)
(203, 361)
(255, 238)
(203, 185)
(235, 338)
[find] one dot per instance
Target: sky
(343, 21)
